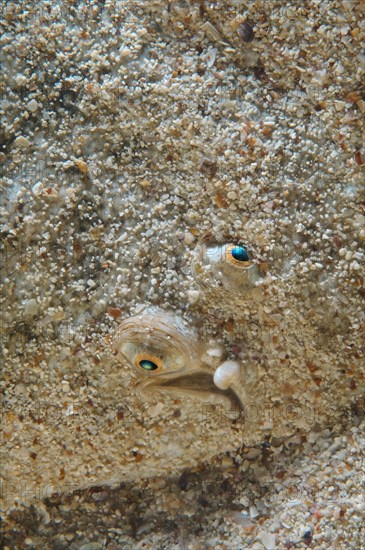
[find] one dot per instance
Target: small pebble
(32, 105)
(91, 546)
(245, 32)
(268, 540)
(193, 296)
(31, 307)
(22, 141)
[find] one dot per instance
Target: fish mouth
(200, 386)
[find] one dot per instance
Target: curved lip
(195, 384)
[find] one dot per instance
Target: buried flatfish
(182, 238)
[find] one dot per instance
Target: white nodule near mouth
(226, 374)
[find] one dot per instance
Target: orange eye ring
(148, 363)
(237, 255)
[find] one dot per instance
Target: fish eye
(148, 363)
(157, 343)
(238, 255)
(229, 266)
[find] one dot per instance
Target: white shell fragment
(227, 374)
(213, 354)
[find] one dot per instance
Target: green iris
(146, 364)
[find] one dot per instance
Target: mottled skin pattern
(123, 170)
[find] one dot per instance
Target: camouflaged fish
(182, 254)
